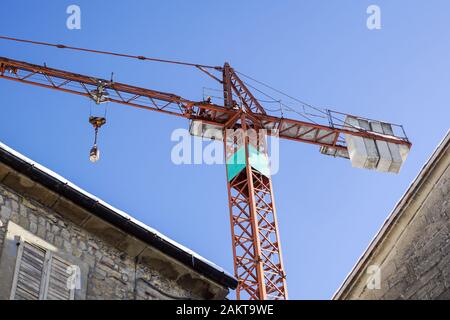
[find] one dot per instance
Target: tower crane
(258, 263)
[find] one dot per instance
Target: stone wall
(419, 266)
(112, 274)
(414, 257)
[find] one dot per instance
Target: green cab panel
(236, 163)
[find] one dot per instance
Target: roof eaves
(116, 217)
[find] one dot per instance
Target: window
(40, 275)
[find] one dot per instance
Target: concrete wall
(414, 254)
(109, 273)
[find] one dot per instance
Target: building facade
(410, 256)
(59, 242)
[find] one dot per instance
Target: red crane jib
(292, 129)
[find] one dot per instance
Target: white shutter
(30, 266)
(57, 286)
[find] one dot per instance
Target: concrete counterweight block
(394, 149)
(385, 162)
(362, 151)
(355, 145)
(370, 153)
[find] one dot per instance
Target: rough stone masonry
(412, 250)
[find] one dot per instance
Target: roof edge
(393, 216)
(115, 217)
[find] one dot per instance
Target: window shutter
(30, 265)
(57, 280)
(40, 275)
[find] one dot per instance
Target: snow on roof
(105, 204)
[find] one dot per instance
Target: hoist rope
(323, 111)
(62, 46)
(218, 68)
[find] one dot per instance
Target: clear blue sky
(319, 51)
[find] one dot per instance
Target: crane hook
(97, 122)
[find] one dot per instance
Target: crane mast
(258, 263)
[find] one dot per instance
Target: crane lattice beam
(138, 97)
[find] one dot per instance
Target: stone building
(409, 258)
(59, 242)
